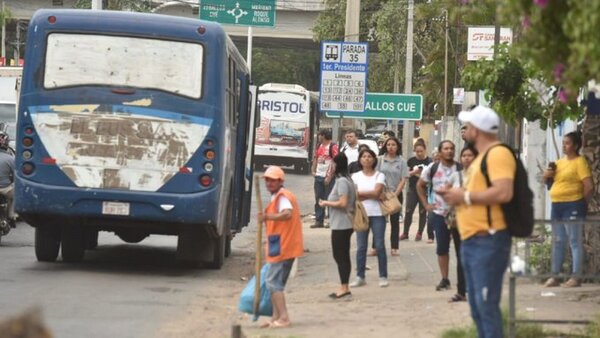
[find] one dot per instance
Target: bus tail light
(52, 19)
(210, 154)
(29, 131)
(27, 142)
(27, 155)
(208, 167)
(205, 180)
(27, 168)
(201, 30)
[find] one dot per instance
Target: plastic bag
(246, 304)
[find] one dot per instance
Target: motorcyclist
(7, 174)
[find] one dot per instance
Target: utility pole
(409, 126)
(4, 32)
(249, 51)
(96, 4)
(396, 85)
(351, 32)
(445, 74)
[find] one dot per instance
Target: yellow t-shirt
(474, 218)
(568, 181)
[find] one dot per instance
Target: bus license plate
(115, 208)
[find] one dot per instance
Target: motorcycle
(5, 222)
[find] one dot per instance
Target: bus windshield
(85, 59)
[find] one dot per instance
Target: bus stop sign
(343, 76)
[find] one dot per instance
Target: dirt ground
(409, 307)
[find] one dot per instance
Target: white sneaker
(358, 282)
(383, 282)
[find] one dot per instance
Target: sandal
(457, 298)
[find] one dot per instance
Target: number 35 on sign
(354, 53)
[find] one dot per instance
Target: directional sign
(239, 12)
(343, 76)
(386, 106)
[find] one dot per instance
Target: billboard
(481, 41)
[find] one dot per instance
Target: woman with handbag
(370, 185)
(341, 206)
(395, 169)
(467, 155)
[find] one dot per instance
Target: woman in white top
(370, 184)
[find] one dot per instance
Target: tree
(517, 89)
(559, 37)
(293, 66)
(5, 17)
(383, 24)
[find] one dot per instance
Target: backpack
(331, 145)
(520, 209)
(434, 169)
(330, 148)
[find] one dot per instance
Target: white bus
(284, 136)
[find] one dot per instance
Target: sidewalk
(410, 307)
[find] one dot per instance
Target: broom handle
(258, 260)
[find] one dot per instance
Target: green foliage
(119, 5)
(292, 66)
(593, 329)
(541, 252)
(383, 24)
(5, 16)
(561, 35)
(523, 330)
(516, 88)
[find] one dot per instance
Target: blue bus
(136, 124)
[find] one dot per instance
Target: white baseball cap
(482, 118)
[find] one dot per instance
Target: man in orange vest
(284, 241)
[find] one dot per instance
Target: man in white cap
(482, 226)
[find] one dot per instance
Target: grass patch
(528, 330)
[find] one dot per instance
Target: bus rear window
(83, 59)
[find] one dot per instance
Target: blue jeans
(573, 233)
(321, 192)
(442, 233)
(484, 259)
(377, 225)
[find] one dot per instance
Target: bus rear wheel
(219, 245)
(47, 243)
(73, 244)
